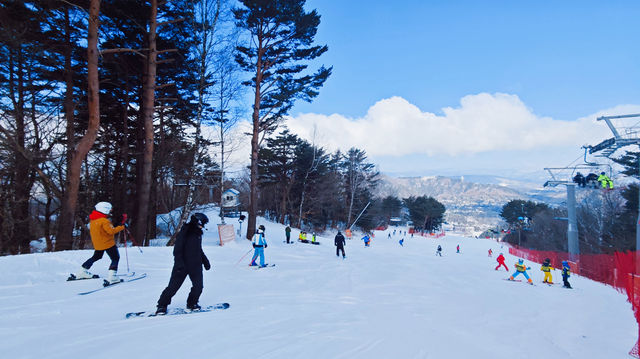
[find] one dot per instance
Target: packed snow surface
(384, 301)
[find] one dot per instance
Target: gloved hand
(254, 245)
(207, 265)
(265, 246)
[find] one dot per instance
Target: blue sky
(472, 87)
(564, 59)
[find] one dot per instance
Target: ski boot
(161, 310)
(113, 278)
(83, 273)
(193, 308)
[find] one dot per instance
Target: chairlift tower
(572, 221)
(626, 132)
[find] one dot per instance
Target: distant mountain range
(473, 203)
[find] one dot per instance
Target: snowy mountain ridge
(472, 202)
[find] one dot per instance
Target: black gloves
(254, 245)
(265, 246)
(207, 265)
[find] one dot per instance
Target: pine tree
(281, 35)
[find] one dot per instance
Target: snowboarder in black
(188, 261)
(339, 241)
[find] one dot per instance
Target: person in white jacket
(259, 244)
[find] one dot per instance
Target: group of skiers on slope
(592, 180)
(546, 268)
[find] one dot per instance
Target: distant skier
(546, 268)
(340, 243)
(389, 236)
(259, 244)
(401, 242)
(591, 180)
(439, 251)
(566, 273)
(102, 237)
(521, 269)
(313, 237)
(287, 233)
(367, 240)
(188, 260)
(458, 248)
(491, 252)
(605, 181)
(579, 180)
(500, 261)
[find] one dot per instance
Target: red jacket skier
(500, 260)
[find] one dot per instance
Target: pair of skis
(106, 284)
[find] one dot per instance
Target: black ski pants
(177, 278)
(97, 255)
(338, 249)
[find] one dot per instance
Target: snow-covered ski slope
(385, 301)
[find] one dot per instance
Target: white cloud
(482, 123)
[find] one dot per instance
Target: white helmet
(103, 207)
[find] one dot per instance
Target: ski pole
(126, 253)
(244, 255)
(133, 240)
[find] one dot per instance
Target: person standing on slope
(340, 243)
(458, 248)
(188, 260)
(500, 261)
(439, 251)
(521, 269)
(546, 268)
(259, 244)
(102, 237)
(566, 273)
(287, 233)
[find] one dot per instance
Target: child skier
(566, 273)
(188, 261)
(500, 261)
(521, 269)
(458, 248)
(259, 244)
(546, 268)
(439, 251)
(102, 233)
(367, 240)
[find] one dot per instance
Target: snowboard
(106, 284)
(178, 311)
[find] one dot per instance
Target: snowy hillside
(385, 301)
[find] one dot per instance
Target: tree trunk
(64, 239)
(148, 100)
(253, 185)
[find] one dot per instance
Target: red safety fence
(617, 270)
